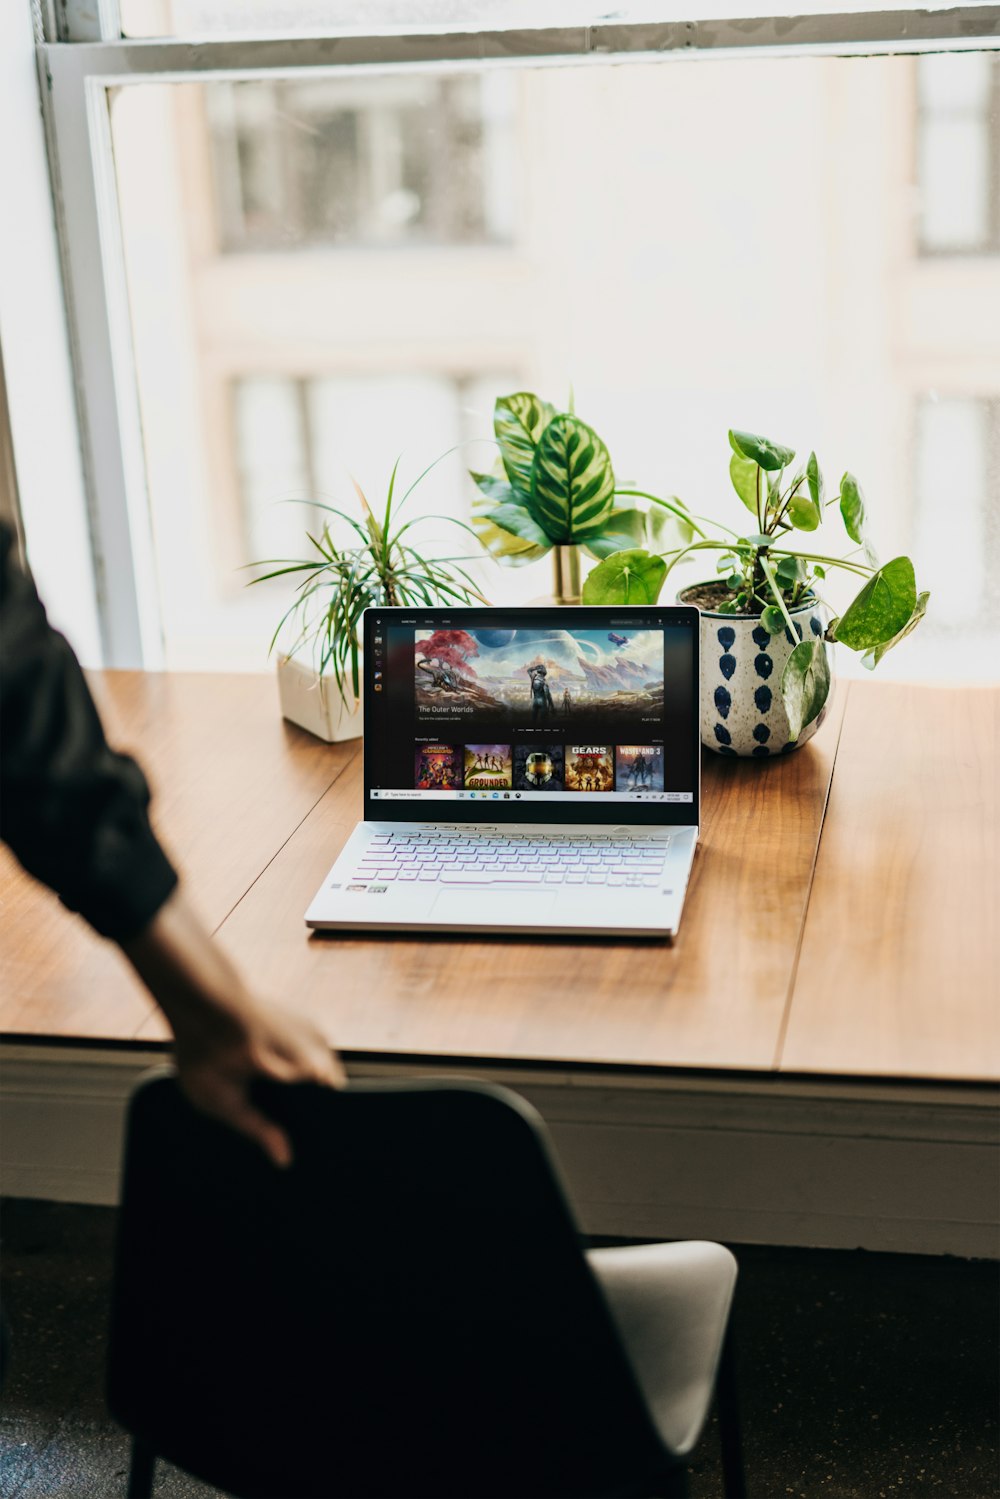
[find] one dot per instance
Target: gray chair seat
(670, 1304)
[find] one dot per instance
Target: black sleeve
(73, 811)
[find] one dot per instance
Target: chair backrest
(405, 1311)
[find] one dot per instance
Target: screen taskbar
(606, 798)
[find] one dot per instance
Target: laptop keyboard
(491, 858)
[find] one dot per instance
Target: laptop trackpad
(490, 907)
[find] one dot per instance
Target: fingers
(293, 1052)
(216, 1071)
(271, 1138)
(225, 1097)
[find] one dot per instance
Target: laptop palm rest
(485, 907)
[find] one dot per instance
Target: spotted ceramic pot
(741, 666)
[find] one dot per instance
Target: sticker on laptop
(377, 889)
(357, 887)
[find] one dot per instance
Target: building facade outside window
(958, 153)
(416, 161)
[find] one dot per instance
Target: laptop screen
(532, 715)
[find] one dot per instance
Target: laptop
(531, 771)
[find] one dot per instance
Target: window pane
(954, 176)
(211, 18)
(956, 82)
(273, 464)
(950, 550)
(215, 18)
(362, 162)
(331, 273)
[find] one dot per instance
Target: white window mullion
(38, 370)
(87, 205)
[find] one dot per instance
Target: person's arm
(76, 815)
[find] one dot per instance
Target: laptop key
(489, 877)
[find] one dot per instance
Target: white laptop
(531, 771)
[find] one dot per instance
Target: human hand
(222, 1052)
(225, 1036)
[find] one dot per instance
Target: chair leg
(733, 1478)
(677, 1484)
(140, 1473)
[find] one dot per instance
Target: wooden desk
(841, 920)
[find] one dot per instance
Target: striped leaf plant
(553, 484)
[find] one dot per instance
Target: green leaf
(572, 481)
(503, 545)
(623, 529)
(804, 509)
(791, 570)
(734, 581)
(919, 610)
(519, 421)
(814, 478)
(728, 606)
(519, 522)
(743, 472)
(632, 577)
(759, 540)
(495, 488)
(805, 685)
(820, 572)
(773, 620)
(665, 530)
(881, 609)
(770, 455)
(855, 514)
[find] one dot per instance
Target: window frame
(76, 73)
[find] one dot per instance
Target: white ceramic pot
(315, 702)
(741, 666)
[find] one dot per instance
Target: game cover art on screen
(438, 767)
(488, 767)
(538, 767)
(539, 678)
(639, 767)
(590, 767)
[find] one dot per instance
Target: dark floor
(862, 1375)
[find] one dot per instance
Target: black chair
(406, 1311)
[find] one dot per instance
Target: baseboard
(891, 1167)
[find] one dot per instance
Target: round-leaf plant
(768, 572)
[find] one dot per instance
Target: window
(337, 255)
(958, 153)
(956, 526)
(299, 439)
(362, 162)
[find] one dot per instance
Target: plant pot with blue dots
(742, 664)
(767, 633)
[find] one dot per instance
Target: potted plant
(553, 489)
(319, 659)
(766, 632)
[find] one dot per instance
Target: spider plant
(376, 567)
